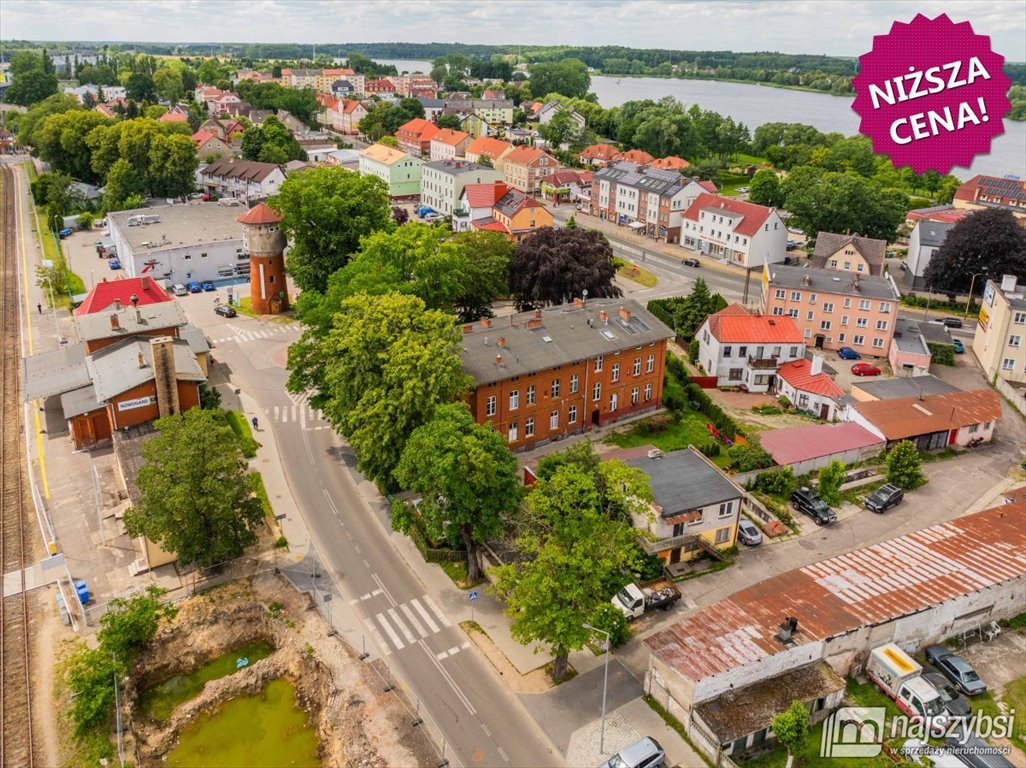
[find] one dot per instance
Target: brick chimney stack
(502, 341)
(164, 379)
(115, 323)
(625, 314)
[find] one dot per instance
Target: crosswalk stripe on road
(406, 623)
(424, 615)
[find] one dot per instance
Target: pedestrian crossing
(240, 335)
(308, 417)
(407, 624)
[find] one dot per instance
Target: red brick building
(559, 371)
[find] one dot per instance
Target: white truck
(634, 599)
(901, 677)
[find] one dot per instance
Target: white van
(923, 703)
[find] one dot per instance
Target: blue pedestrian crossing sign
(472, 596)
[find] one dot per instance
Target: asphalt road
(388, 607)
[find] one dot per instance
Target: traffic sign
(473, 595)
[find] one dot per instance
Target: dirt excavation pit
(356, 722)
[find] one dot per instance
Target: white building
(808, 388)
(742, 234)
(180, 243)
(244, 179)
(924, 242)
(109, 92)
(744, 350)
(442, 182)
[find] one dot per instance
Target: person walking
(39, 307)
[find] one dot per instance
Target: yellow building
(998, 341)
(520, 214)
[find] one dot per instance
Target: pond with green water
(265, 730)
(159, 701)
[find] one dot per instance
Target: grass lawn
(457, 571)
(668, 435)
(1014, 697)
(237, 421)
(638, 274)
(245, 307)
(257, 483)
(729, 182)
(809, 756)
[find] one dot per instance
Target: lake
(754, 105)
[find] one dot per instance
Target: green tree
(791, 727)
(830, 478)
(572, 552)
(167, 82)
(31, 123)
(62, 142)
(622, 491)
(172, 165)
(903, 466)
(842, 202)
(139, 87)
(196, 490)
(467, 477)
(31, 87)
(568, 76)
(987, 243)
(765, 189)
(380, 371)
(452, 122)
(271, 142)
(325, 213)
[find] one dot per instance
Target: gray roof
(932, 333)
(684, 480)
(454, 167)
(566, 334)
(909, 337)
(197, 339)
(432, 103)
(910, 386)
(662, 182)
(249, 170)
(872, 250)
(1016, 297)
(934, 233)
(131, 320)
(829, 281)
(54, 372)
(116, 369)
(80, 401)
(180, 226)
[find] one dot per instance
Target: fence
(705, 382)
(1016, 396)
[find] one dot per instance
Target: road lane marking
(448, 678)
(384, 591)
(502, 752)
(402, 627)
(424, 615)
(435, 608)
(441, 655)
(375, 593)
(408, 612)
(376, 637)
(331, 503)
(391, 632)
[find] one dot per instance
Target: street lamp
(972, 283)
(605, 684)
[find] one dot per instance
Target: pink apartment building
(832, 310)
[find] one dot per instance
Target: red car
(865, 369)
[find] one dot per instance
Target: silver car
(644, 753)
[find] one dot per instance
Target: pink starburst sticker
(931, 94)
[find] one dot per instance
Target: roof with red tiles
(419, 128)
(104, 294)
(710, 185)
(734, 328)
(563, 177)
(486, 145)
(754, 216)
(599, 152)
(670, 163)
(485, 195)
(450, 137)
(201, 137)
(524, 155)
(912, 416)
(639, 156)
(869, 586)
(172, 117)
(491, 225)
(261, 213)
(351, 105)
(798, 373)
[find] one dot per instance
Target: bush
(903, 468)
(675, 368)
(716, 416)
(693, 348)
(712, 450)
(942, 354)
(610, 619)
(777, 482)
(237, 421)
(785, 402)
(744, 458)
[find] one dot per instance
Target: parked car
(225, 311)
(748, 533)
(958, 345)
(865, 369)
(956, 669)
(974, 752)
(432, 217)
(885, 497)
(952, 322)
(195, 287)
(635, 599)
(692, 263)
(744, 190)
(956, 705)
(807, 501)
(644, 753)
(114, 264)
(208, 285)
(179, 290)
(66, 232)
(847, 353)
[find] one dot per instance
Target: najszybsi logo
(861, 731)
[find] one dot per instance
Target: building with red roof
(991, 192)
(487, 147)
(598, 155)
(128, 291)
(808, 388)
(448, 144)
(740, 233)
(415, 136)
(379, 87)
(566, 185)
(670, 163)
(806, 449)
(638, 156)
(524, 167)
(744, 349)
(210, 146)
(172, 117)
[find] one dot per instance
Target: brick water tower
(266, 245)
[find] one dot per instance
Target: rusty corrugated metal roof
(869, 586)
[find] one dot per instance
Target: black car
(952, 322)
(956, 705)
(885, 497)
(808, 501)
(956, 669)
(225, 311)
(692, 263)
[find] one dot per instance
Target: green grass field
(668, 435)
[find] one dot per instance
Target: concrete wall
(1017, 397)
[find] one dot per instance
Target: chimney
(498, 360)
(502, 341)
(144, 283)
(1008, 283)
(534, 322)
(115, 324)
(486, 323)
(117, 305)
(142, 360)
(164, 379)
(806, 280)
(468, 327)
(537, 313)
(625, 314)
(817, 365)
(603, 317)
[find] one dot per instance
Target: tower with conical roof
(266, 245)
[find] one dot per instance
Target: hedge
(942, 354)
(719, 419)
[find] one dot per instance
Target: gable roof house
(931, 421)
(524, 167)
(804, 383)
(448, 144)
(991, 192)
(488, 147)
(209, 146)
(519, 215)
(742, 349)
(670, 163)
(476, 204)
(245, 179)
(849, 253)
(553, 108)
(443, 181)
(926, 239)
(741, 234)
(598, 155)
(415, 136)
(400, 171)
(351, 113)
(566, 185)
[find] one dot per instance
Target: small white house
(745, 350)
(805, 385)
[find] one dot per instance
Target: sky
(833, 27)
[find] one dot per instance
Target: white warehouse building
(180, 243)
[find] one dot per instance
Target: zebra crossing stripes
(406, 624)
(239, 335)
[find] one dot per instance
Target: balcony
(763, 362)
(663, 545)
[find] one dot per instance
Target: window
(648, 392)
(490, 406)
(531, 395)
(794, 352)
(833, 264)
(637, 366)
(878, 342)
(861, 322)
(722, 535)
(796, 295)
(511, 433)
(847, 303)
(1019, 318)
(735, 374)
(699, 519)
(807, 333)
(779, 293)
(987, 425)
(828, 307)
(1008, 364)
(881, 325)
(574, 382)
(555, 388)
(844, 319)
(865, 304)
(614, 372)
(614, 402)
(778, 311)
(1014, 341)
(635, 396)
(812, 298)
(554, 420)
(514, 399)
(810, 315)
(974, 428)
(792, 313)
(529, 428)
(571, 415)
(840, 337)
(596, 391)
(727, 352)
(650, 364)
(203, 255)
(885, 307)
(858, 340)
(678, 529)
(726, 509)
(598, 364)
(847, 266)
(824, 325)
(188, 256)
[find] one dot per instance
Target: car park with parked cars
(955, 704)
(195, 287)
(644, 753)
(959, 671)
(808, 502)
(208, 285)
(847, 353)
(884, 497)
(179, 290)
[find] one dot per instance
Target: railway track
(16, 745)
